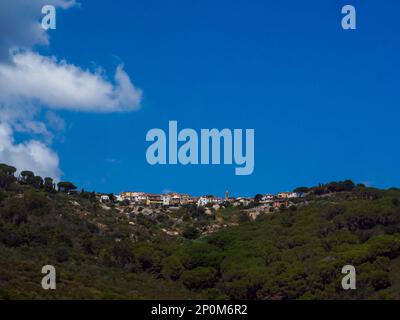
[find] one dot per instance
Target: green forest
(296, 253)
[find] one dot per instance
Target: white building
(288, 195)
(267, 198)
(172, 199)
(166, 198)
(203, 201)
(134, 197)
(244, 201)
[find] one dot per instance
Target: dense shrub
(199, 278)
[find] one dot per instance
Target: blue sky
(324, 102)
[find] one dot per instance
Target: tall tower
(226, 195)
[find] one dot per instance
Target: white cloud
(35, 128)
(54, 121)
(20, 23)
(60, 85)
(30, 155)
(30, 82)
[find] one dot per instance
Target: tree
(37, 182)
(226, 204)
(172, 268)
(6, 169)
(37, 203)
(199, 278)
(14, 211)
(149, 258)
(301, 190)
(341, 186)
(48, 184)
(119, 254)
(191, 233)
(27, 176)
(258, 198)
(62, 254)
(6, 175)
(66, 186)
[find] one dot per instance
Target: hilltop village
(174, 201)
(175, 214)
(215, 210)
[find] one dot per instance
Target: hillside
(102, 252)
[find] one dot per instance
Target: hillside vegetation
(102, 253)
